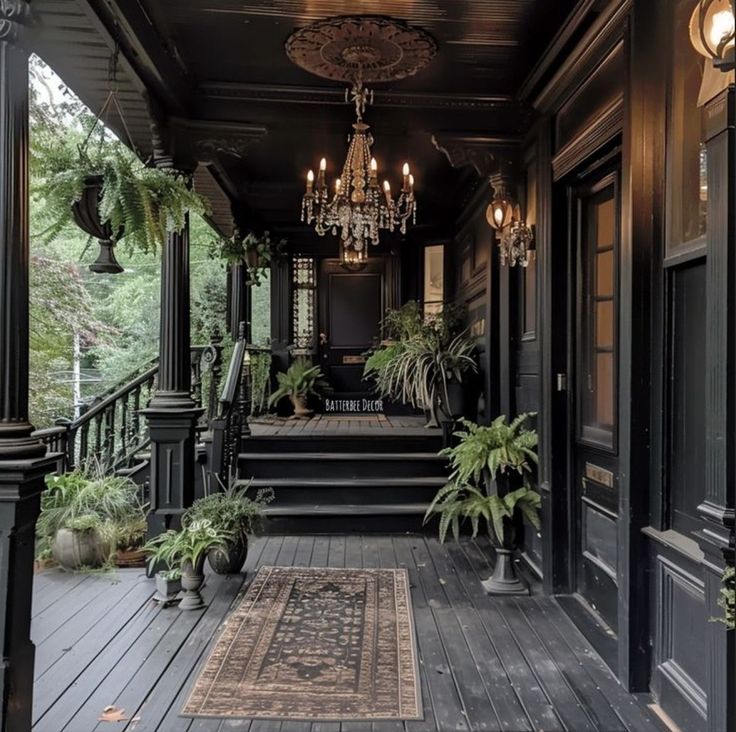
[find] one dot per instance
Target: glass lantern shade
(712, 32)
(500, 213)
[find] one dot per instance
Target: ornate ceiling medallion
(376, 48)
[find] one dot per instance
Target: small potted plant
(297, 383)
(256, 251)
(129, 539)
(232, 511)
(186, 550)
(491, 483)
(168, 586)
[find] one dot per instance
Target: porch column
(239, 301)
(22, 458)
(172, 413)
(716, 539)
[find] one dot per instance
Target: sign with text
(353, 406)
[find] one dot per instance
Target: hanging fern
(142, 202)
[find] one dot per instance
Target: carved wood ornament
(372, 47)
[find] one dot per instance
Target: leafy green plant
(257, 251)
(231, 510)
(173, 548)
(727, 598)
(299, 381)
(84, 500)
(482, 456)
(141, 202)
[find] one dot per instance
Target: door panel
(351, 309)
(594, 438)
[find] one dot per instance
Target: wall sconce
(517, 245)
(501, 212)
(712, 29)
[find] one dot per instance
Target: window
(304, 284)
(434, 278)
(598, 252)
(687, 202)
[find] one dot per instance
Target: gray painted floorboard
(506, 664)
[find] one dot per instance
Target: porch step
(333, 441)
(341, 465)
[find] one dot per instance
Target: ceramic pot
(167, 590)
(192, 579)
(76, 549)
(228, 559)
(301, 410)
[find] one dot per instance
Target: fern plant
(482, 457)
(727, 598)
(141, 203)
(299, 381)
(258, 251)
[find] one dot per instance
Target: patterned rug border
(327, 718)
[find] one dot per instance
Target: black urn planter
(452, 400)
(505, 579)
(230, 558)
(86, 214)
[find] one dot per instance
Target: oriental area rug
(315, 644)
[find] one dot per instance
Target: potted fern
(491, 485)
(111, 195)
(301, 380)
(256, 251)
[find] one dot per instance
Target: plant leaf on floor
(113, 714)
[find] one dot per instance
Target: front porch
(485, 663)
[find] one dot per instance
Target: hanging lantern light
(500, 212)
(712, 29)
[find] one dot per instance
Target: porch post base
(21, 484)
(505, 580)
(172, 464)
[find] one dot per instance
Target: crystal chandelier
(358, 207)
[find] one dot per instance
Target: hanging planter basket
(86, 215)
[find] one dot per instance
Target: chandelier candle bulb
(405, 172)
(310, 181)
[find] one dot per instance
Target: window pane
(606, 213)
(604, 324)
(604, 274)
(604, 390)
(687, 183)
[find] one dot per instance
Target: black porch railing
(111, 432)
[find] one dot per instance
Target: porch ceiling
(217, 71)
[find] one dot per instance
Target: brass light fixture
(501, 212)
(516, 239)
(712, 28)
(359, 50)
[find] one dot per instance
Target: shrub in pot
(186, 550)
(301, 380)
(491, 486)
(424, 361)
(232, 511)
(81, 513)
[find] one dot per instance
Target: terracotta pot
(230, 558)
(301, 410)
(252, 259)
(86, 215)
(76, 549)
(130, 558)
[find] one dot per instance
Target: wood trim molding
(602, 131)
(283, 93)
(605, 32)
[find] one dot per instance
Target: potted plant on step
(230, 510)
(297, 383)
(491, 484)
(186, 550)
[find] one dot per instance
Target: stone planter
(86, 216)
(230, 558)
(77, 549)
(192, 579)
(167, 590)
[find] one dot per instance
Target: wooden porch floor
(486, 663)
(344, 424)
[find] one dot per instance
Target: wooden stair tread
(343, 509)
(330, 455)
(429, 481)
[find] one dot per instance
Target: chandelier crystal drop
(357, 207)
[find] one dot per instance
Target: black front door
(351, 310)
(593, 463)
